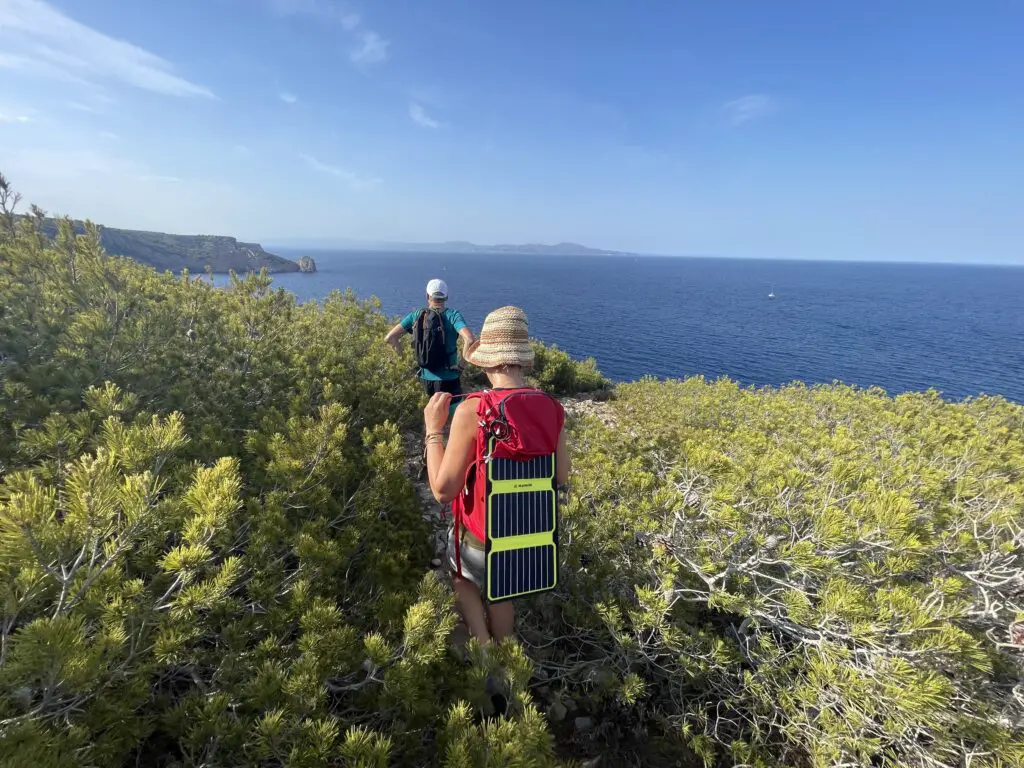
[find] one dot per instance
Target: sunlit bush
(554, 371)
(211, 552)
(804, 576)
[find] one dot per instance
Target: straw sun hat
(504, 340)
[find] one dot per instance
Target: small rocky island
(195, 253)
(307, 265)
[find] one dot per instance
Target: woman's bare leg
(502, 620)
(471, 605)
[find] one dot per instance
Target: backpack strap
(444, 338)
(457, 509)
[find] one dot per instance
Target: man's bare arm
(467, 339)
(394, 335)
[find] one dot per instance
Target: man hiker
(435, 331)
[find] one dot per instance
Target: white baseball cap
(437, 289)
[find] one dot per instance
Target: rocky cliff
(193, 252)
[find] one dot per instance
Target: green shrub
(210, 553)
(554, 371)
(804, 576)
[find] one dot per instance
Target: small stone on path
(583, 723)
(557, 711)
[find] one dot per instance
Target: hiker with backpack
(504, 468)
(435, 330)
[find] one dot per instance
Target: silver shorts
(473, 559)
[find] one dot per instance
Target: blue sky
(799, 128)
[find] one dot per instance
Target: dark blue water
(902, 327)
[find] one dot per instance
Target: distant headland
(451, 246)
(195, 253)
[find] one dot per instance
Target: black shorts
(452, 386)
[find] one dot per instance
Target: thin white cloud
(115, 190)
(321, 9)
(8, 118)
(72, 164)
(368, 46)
(747, 108)
(355, 180)
(38, 66)
(92, 102)
(162, 179)
(316, 165)
(80, 107)
(288, 98)
(109, 135)
(419, 115)
(371, 49)
(9, 61)
(49, 43)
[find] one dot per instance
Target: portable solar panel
(522, 527)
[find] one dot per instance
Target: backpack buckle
(500, 430)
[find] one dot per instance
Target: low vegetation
(553, 371)
(804, 576)
(211, 553)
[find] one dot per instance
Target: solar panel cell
(522, 519)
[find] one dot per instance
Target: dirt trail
(562, 715)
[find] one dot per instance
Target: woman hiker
(537, 421)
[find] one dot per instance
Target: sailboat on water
(771, 293)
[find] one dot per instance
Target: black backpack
(428, 335)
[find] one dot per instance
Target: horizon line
(615, 254)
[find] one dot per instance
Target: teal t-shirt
(453, 323)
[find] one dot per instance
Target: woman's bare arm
(447, 465)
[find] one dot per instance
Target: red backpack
(513, 477)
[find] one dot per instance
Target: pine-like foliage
(804, 576)
(554, 371)
(210, 553)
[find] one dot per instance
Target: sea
(899, 326)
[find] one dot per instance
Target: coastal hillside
(452, 246)
(213, 552)
(196, 253)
